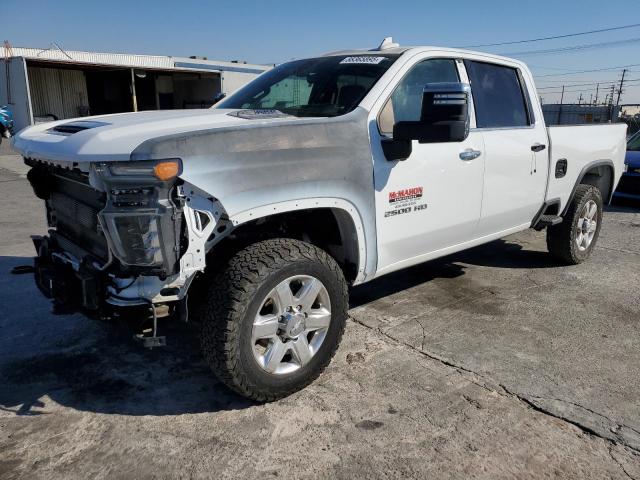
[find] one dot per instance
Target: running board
(548, 221)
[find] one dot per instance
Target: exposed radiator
(74, 207)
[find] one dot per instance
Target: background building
(43, 85)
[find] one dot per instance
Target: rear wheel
(273, 318)
(573, 240)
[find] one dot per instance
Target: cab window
(405, 103)
(498, 96)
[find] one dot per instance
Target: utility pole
(610, 104)
(597, 91)
(580, 99)
(621, 84)
(560, 107)
(611, 94)
(134, 96)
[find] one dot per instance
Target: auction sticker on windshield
(367, 59)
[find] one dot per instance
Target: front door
(432, 200)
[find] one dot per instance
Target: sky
(279, 30)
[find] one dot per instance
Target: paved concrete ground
(494, 363)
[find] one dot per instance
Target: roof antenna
(387, 43)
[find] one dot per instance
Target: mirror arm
(396, 149)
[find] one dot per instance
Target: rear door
(515, 145)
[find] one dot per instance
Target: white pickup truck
(321, 173)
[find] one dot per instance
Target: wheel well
(601, 177)
(331, 229)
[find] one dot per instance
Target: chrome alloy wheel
(587, 225)
(291, 324)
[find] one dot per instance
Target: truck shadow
(497, 254)
(90, 365)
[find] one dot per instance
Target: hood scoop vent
(258, 114)
(74, 127)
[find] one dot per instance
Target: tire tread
(225, 303)
(560, 237)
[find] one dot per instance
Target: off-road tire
(232, 299)
(561, 241)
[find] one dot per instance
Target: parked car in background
(629, 186)
(6, 123)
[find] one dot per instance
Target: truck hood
(115, 137)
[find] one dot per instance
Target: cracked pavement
(491, 363)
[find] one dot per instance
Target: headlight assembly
(163, 170)
(141, 219)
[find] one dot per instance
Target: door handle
(470, 154)
(538, 147)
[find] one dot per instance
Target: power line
(588, 71)
(588, 89)
(597, 90)
(586, 46)
(574, 85)
(549, 68)
(601, 82)
(591, 80)
(583, 90)
(554, 37)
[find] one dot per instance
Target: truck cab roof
(388, 47)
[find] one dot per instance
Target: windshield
(316, 87)
(634, 143)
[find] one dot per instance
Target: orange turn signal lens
(166, 170)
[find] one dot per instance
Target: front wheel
(273, 318)
(573, 240)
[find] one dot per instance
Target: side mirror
(444, 116)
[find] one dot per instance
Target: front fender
(261, 168)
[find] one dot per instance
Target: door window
(498, 96)
(405, 103)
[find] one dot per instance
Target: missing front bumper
(80, 289)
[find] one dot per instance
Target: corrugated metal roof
(131, 60)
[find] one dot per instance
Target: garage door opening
(107, 91)
(70, 91)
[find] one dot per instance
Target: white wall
(232, 81)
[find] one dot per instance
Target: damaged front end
(121, 234)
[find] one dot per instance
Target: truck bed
(584, 146)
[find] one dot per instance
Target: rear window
(498, 97)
